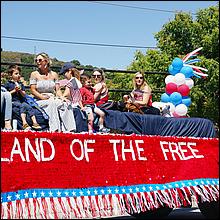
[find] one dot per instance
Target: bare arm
(57, 85)
(65, 94)
(58, 90)
(33, 89)
(98, 89)
(22, 92)
(81, 105)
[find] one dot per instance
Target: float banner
(64, 175)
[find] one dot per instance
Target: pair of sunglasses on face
(38, 60)
(96, 76)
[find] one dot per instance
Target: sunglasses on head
(38, 60)
(96, 76)
(139, 77)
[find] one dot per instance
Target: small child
(71, 94)
(89, 106)
(71, 84)
(17, 90)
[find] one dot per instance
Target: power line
(136, 7)
(79, 43)
(87, 68)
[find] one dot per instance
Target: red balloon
(183, 90)
(171, 87)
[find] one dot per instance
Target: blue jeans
(6, 105)
(23, 107)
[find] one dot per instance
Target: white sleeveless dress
(61, 118)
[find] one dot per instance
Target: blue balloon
(172, 71)
(187, 71)
(165, 97)
(177, 63)
(186, 100)
(176, 98)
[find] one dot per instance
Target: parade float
(146, 166)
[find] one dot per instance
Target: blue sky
(84, 21)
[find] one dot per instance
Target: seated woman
(141, 95)
(100, 87)
(44, 86)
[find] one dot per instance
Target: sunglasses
(38, 60)
(96, 76)
(139, 77)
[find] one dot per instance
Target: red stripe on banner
(53, 208)
(8, 210)
(60, 160)
(27, 204)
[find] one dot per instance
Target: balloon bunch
(179, 83)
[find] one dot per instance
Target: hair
(144, 82)
(75, 73)
(12, 68)
(84, 78)
(4, 77)
(102, 73)
(46, 57)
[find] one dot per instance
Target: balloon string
(198, 67)
(192, 61)
(190, 54)
(200, 74)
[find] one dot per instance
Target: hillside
(27, 58)
(19, 57)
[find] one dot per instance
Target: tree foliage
(176, 39)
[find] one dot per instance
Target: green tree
(176, 39)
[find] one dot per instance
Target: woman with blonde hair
(45, 87)
(141, 95)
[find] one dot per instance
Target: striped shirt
(74, 87)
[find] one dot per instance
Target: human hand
(63, 98)
(45, 97)
(128, 101)
(17, 88)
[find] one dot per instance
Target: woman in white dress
(44, 86)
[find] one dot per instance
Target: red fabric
(103, 167)
(150, 101)
(87, 96)
(102, 100)
(138, 95)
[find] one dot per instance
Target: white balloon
(179, 79)
(159, 105)
(189, 82)
(181, 109)
(169, 78)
